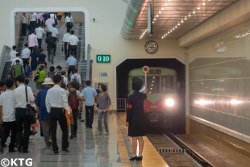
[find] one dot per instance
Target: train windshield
(159, 84)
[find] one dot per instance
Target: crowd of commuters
(54, 103)
(60, 94)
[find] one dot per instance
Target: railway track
(175, 153)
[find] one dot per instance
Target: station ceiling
(171, 18)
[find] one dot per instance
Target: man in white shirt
(23, 126)
(24, 24)
(9, 118)
(25, 54)
(32, 40)
(73, 42)
(54, 32)
(66, 43)
(13, 53)
(39, 33)
(69, 21)
(57, 104)
(32, 22)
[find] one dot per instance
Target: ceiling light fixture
(184, 19)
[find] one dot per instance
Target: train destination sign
(103, 58)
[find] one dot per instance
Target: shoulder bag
(30, 111)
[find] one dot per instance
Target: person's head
(72, 32)
(57, 79)
(63, 73)
(136, 83)
(41, 50)
(14, 47)
(17, 61)
(26, 45)
(52, 69)
(20, 79)
(24, 14)
(26, 81)
(73, 85)
(9, 83)
(48, 83)
(88, 82)
(41, 67)
(71, 53)
(102, 88)
(59, 68)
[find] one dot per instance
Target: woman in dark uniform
(136, 119)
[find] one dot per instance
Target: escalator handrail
(4, 58)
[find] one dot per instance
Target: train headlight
(169, 102)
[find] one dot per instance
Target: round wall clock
(151, 47)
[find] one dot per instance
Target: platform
(90, 149)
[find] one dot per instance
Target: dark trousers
(89, 116)
(24, 29)
(23, 129)
(74, 125)
(66, 51)
(71, 69)
(25, 62)
(31, 49)
(51, 54)
(73, 48)
(58, 114)
(39, 42)
(9, 127)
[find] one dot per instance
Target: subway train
(161, 105)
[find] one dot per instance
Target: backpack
(17, 70)
(73, 100)
(75, 81)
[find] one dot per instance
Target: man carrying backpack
(74, 96)
(76, 78)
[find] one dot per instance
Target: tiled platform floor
(90, 149)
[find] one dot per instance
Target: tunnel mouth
(162, 120)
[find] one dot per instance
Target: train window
(160, 84)
(157, 83)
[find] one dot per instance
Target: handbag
(30, 113)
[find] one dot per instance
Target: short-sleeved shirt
(19, 96)
(39, 32)
(73, 40)
(89, 94)
(103, 101)
(26, 53)
(71, 61)
(7, 101)
(66, 37)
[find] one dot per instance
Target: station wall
(219, 73)
(103, 35)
